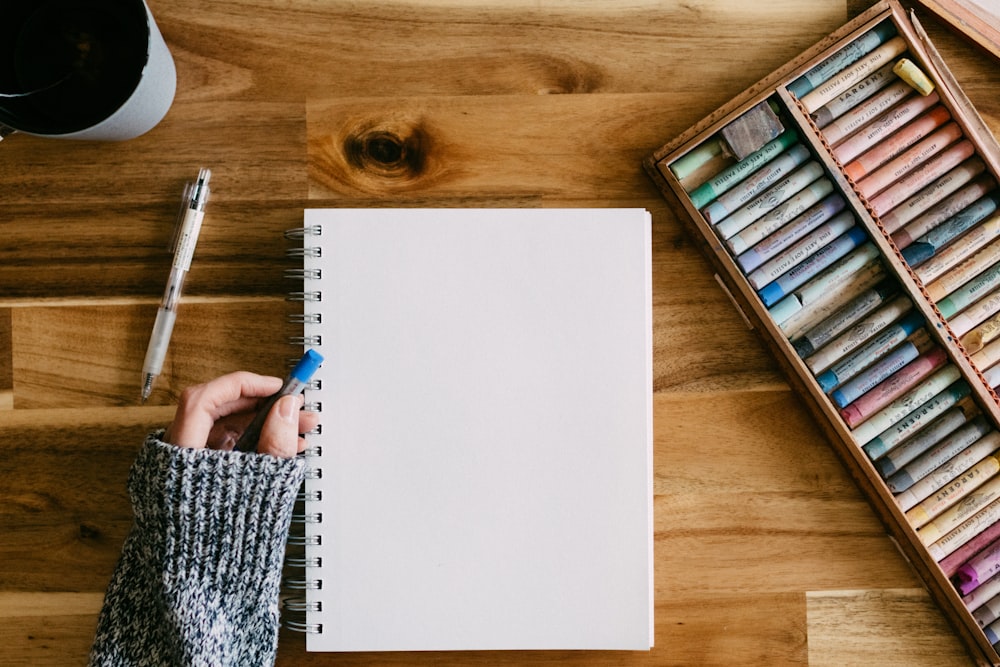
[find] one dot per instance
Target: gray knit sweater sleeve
(199, 575)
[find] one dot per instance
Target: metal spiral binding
(295, 607)
(305, 341)
(302, 274)
(305, 318)
(297, 233)
(311, 251)
(304, 540)
(312, 496)
(302, 561)
(299, 604)
(305, 296)
(303, 584)
(309, 628)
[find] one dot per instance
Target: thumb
(280, 434)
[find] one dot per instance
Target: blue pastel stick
(776, 290)
(930, 243)
(848, 55)
(870, 353)
(869, 378)
(993, 632)
(923, 422)
(916, 458)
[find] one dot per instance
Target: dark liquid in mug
(82, 57)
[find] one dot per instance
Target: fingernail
(288, 408)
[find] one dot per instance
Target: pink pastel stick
(978, 569)
(896, 143)
(893, 387)
(900, 166)
(883, 126)
(950, 564)
(921, 177)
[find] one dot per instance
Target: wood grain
(766, 553)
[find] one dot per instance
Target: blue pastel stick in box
(846, 56)
(774, 291)
(870, 352)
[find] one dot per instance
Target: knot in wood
(387, 153)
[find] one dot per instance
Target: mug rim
(18, 122)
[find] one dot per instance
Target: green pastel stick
(727, 178)
(885, 455)
(686, 165)
(970, 292)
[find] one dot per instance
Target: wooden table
(766, 553)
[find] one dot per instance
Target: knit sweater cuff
(223, 516)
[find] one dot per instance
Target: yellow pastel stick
(908, 71)
(988, 356)
(987, 332)
(850, 75)
(958, 514)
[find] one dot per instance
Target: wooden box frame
(774, 86)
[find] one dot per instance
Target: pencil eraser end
(839, 398)
(307, 365)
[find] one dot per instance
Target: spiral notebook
(482, 476)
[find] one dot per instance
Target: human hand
(213, 415)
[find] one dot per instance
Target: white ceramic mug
(83, 69)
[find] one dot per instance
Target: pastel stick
(846, 56)
(774, 291)
(854, 96)
(926, 246)
(732, 176)
(844, 317)
(752, 130)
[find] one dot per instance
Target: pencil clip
(179, 222)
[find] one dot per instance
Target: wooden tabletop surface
(766, 553)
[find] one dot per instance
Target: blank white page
(486, 429)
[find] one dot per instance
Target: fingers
(215, 413)
(201, 406)
(280, 433)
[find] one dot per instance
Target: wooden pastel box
(850, 206)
